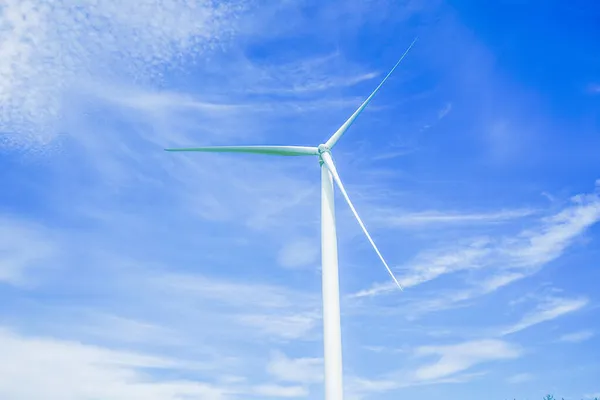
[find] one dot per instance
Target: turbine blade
(326, 157)
(271, 150)
(335, 137)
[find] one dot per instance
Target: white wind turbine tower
(329, 257)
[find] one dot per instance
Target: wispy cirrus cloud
(577, 337)
(550, 309)
(119, 374)
(165, 339)
(503, 259)
(455, 364)
(547, 309)
(428, 218)
(430, 265)
(306, 76)
(47, 50)
(460, 357)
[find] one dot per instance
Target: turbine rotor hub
(322, 148)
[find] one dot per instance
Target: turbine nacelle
(323, 149)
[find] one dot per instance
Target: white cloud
(299, 253)
(41, 368)
(520, 378)
(549, 241)
(550, 309)
(295, 370)
(161, 101)
(460, 357)
(30, 373)
(577, 337)
(305, 76)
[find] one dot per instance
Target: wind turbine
(329, 257)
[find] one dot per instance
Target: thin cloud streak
(512, 258)
(549, 310)
(577, 337)
(460, 357)
(440, 218)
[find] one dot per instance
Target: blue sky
(127, 272)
